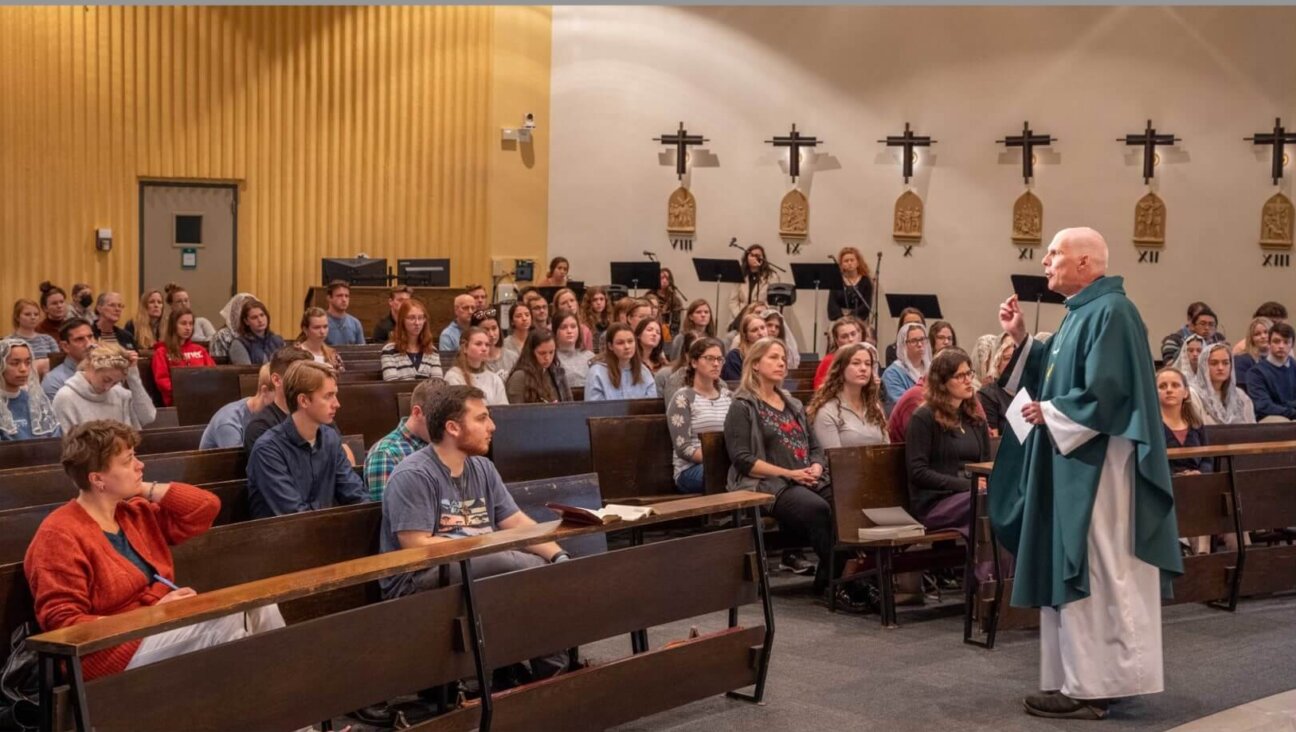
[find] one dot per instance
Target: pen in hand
(165, 581)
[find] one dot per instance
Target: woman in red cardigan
(176, 350)
(107, 551)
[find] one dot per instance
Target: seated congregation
(434, 479)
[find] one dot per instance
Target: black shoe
(1056, 705)
(857, 598)
(796, 563)
(375, 715)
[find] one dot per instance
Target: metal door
(189, 235)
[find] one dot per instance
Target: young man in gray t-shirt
(448, 490)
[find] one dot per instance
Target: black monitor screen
(423, 272)
(355, 271)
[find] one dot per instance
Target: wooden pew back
(199, 392)
(48, 451)
(866, 477)
(632, 456)
(534, 441)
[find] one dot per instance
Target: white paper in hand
(1020, 426)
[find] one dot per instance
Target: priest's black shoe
(1057, 705)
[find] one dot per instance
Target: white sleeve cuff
(1067, 434)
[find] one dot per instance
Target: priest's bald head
(1075, 258)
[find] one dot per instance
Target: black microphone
(650, 255)
(834, 259)
(734, 243)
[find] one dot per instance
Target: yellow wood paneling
(347, 128)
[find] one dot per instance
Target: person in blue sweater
(913, 358)
(618, 372)
(25, 411)
(1271, 383)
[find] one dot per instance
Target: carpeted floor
(844, 672)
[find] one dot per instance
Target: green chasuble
(1098, 372)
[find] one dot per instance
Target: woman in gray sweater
(773, 450)
(107, 386)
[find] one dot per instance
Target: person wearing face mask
(107, 386)
(617, 372)
(83, 302)
(910, 365)
(575, 360)
(25, 412)
(538, 377)
(111, 309)
(699, 406)
(470, 367)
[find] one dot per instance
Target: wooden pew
(199, 392)
(1228, 502)
(239, 550)
(430, 638)
(370, 409)
(166, 417)
(48, 451)
(18, 525)
(877, 476)
(535, 441)
(26, 487)
(633, 458)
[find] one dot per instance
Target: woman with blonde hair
(846, 410)
(994, 398)
(857, 297)
(751, 329)
(470, 367)
(146, 327)
(107, 386)
(311, 339)
(1254, 348)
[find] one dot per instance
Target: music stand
(928, 305)
(548, 291)
(630, 274)
(816, 276)
(717, 271)
(1034, 288)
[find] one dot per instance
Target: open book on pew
(892, 522)
(610, 513)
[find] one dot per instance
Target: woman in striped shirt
(699, 407)
(412, 352)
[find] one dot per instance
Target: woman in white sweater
(474, 349)
(107, 386)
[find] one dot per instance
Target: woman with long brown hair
(757, 276)
(847, 408)
(618, 371)
(943, 435)
(538, 377)
(470, 366)
(412, 351)
(176, 350)
(595, 314)
(700, 405)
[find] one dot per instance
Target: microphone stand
(877, 288)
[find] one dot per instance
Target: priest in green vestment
(1085, 503)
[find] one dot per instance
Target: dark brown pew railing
(443, 631)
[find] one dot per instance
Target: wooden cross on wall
(795, 140)
(1028, 141)
(1277, 138)
(1149, 141)
(681, 140)
(908, 141)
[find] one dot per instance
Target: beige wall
(346, 129)
(967, 76)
